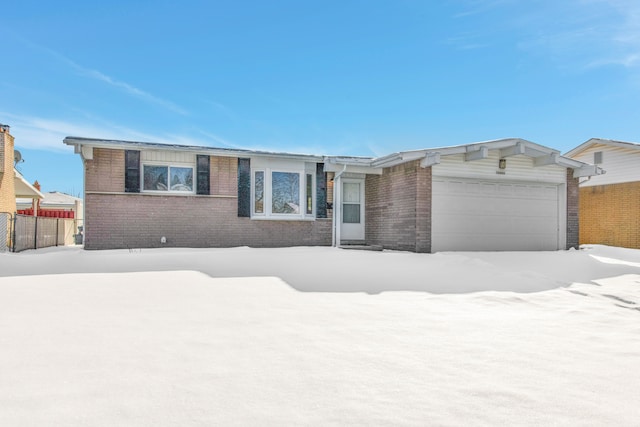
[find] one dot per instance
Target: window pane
(351, 192)
(351, 214)
(181, 179)
(258, 203)
(155, 177)
(309, 194)
(285, 193)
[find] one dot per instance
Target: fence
(33, 232)
(6, 221)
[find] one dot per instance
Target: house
(54, 204)
(508, 194)
(12, 185)
(67, 209)
(610, 203)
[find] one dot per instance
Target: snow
(308, 336)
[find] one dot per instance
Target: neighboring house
(610, 203)
(508, 194)
(12, 185)
(54, 204)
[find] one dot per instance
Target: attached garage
(492, 215)
(503, 195)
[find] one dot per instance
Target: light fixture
(502, 163)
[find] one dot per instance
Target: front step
(362, 247)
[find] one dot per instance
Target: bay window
(282, 194)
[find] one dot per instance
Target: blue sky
(323, 77)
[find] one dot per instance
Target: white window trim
(267, 198)
(313, 195)
(262, 214)
(169, 165)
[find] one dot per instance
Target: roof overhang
(600, 141)
(85, 146)
(25, 190)
(541, 155)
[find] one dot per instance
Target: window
(282, 194)
(258, 201)
(167, 178)
(285, 193)
(351, 203)
(309, 194)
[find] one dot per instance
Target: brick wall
(7, 178)
(398, 208)
(223, 176)
(573, 209)
(106, 171)
(138, 220)
(610, 214)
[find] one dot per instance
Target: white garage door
(493, 216)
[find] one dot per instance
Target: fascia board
(222, 152)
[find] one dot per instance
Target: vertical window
(285, 193)
(309, 194)
(258, 197)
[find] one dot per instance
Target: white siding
(620, 164)
(519, 168)
(172, 157)
(281, 164)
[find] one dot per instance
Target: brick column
(573, 219)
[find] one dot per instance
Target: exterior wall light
(502, 163)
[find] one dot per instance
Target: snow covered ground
(319, 336)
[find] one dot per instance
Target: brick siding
(610, 215)
(398, 208)
(115, 219)
(7, 179)
(223, 176)
(573, 207)
(106, 171)
(140, 220)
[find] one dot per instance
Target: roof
(478, 150)
(55, 198)
(429, 156)
(79, 142)
(24, 189)
(594, 141)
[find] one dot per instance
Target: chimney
(4, 128)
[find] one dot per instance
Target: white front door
(352, 209)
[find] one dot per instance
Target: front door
(352, 210)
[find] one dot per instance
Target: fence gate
(5, 231)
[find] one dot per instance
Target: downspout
(84, 201)
(337, 204)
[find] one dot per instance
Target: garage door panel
(490, 242)
(484, 215)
